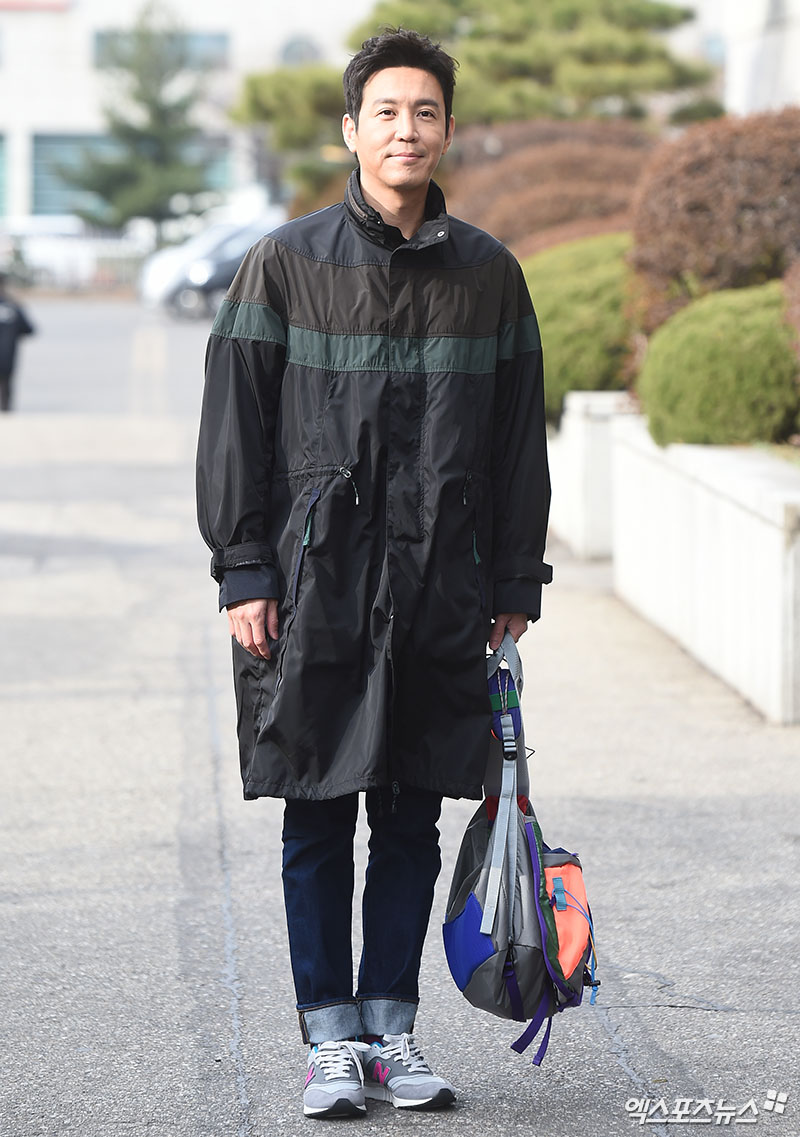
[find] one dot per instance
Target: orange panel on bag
(571, 923)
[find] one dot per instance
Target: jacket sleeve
(244, 370)
(520, 478)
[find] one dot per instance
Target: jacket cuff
(248, 582)
(253, 554)
(518, 595)
(530, 568)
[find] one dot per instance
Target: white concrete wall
(706, 545)
(580, 468)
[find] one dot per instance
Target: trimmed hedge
(717, 208)
(578, 290)
(723, 371)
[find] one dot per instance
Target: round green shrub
(723, 370)
(578, 290)
(701, 110)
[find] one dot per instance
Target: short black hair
(397, 47)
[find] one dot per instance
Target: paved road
(143, 974)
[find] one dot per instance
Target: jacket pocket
(297, 575)
(305, 542)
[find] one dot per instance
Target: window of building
(201, 50)
(298, 50)
(214, 151)
(53, 153)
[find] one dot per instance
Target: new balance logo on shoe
(380, 1072)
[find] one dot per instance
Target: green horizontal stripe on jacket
(328, 351)
(414, 354)
(518, 337)
(248, 320)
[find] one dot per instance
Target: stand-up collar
(434, 229)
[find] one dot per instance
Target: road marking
(147, 377)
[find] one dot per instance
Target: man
(372, 480)
(13, 324)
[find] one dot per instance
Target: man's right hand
(251, 622)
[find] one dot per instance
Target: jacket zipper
(476, 557)
(390, 629)
(467, 487)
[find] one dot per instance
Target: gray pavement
(144, 982)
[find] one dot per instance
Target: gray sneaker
(335, 1080)
(395, 1071)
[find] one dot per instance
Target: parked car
(191, 279)
(162, 270)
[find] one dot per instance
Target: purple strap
(533, 1027)
(540, 1053)
(514, 993)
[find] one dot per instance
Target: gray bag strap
(504, 835)
(508, 652)
(493, 775)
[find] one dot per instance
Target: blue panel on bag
(503, 696)
(465, 946)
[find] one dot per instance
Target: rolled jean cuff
(388, 1016)
(330, 1022)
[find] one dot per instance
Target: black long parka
(372, 452)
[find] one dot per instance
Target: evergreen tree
(519, 59)
(302, 108)
(148, 125)
(522, 58)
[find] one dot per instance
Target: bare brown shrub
(717, 208)
(570, 231)
(520, 180)
(541, 208)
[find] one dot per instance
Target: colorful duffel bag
(518, 931)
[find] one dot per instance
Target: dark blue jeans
(318, 880)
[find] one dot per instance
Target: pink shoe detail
(380, 1073)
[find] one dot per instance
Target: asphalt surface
(144, 980)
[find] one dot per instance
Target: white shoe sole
(342, 1107)
(441, 1100)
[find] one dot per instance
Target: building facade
(755, 43)
(763, 49)
(54, 82)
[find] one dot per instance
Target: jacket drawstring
(343, 470)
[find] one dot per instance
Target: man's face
(402, 130)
